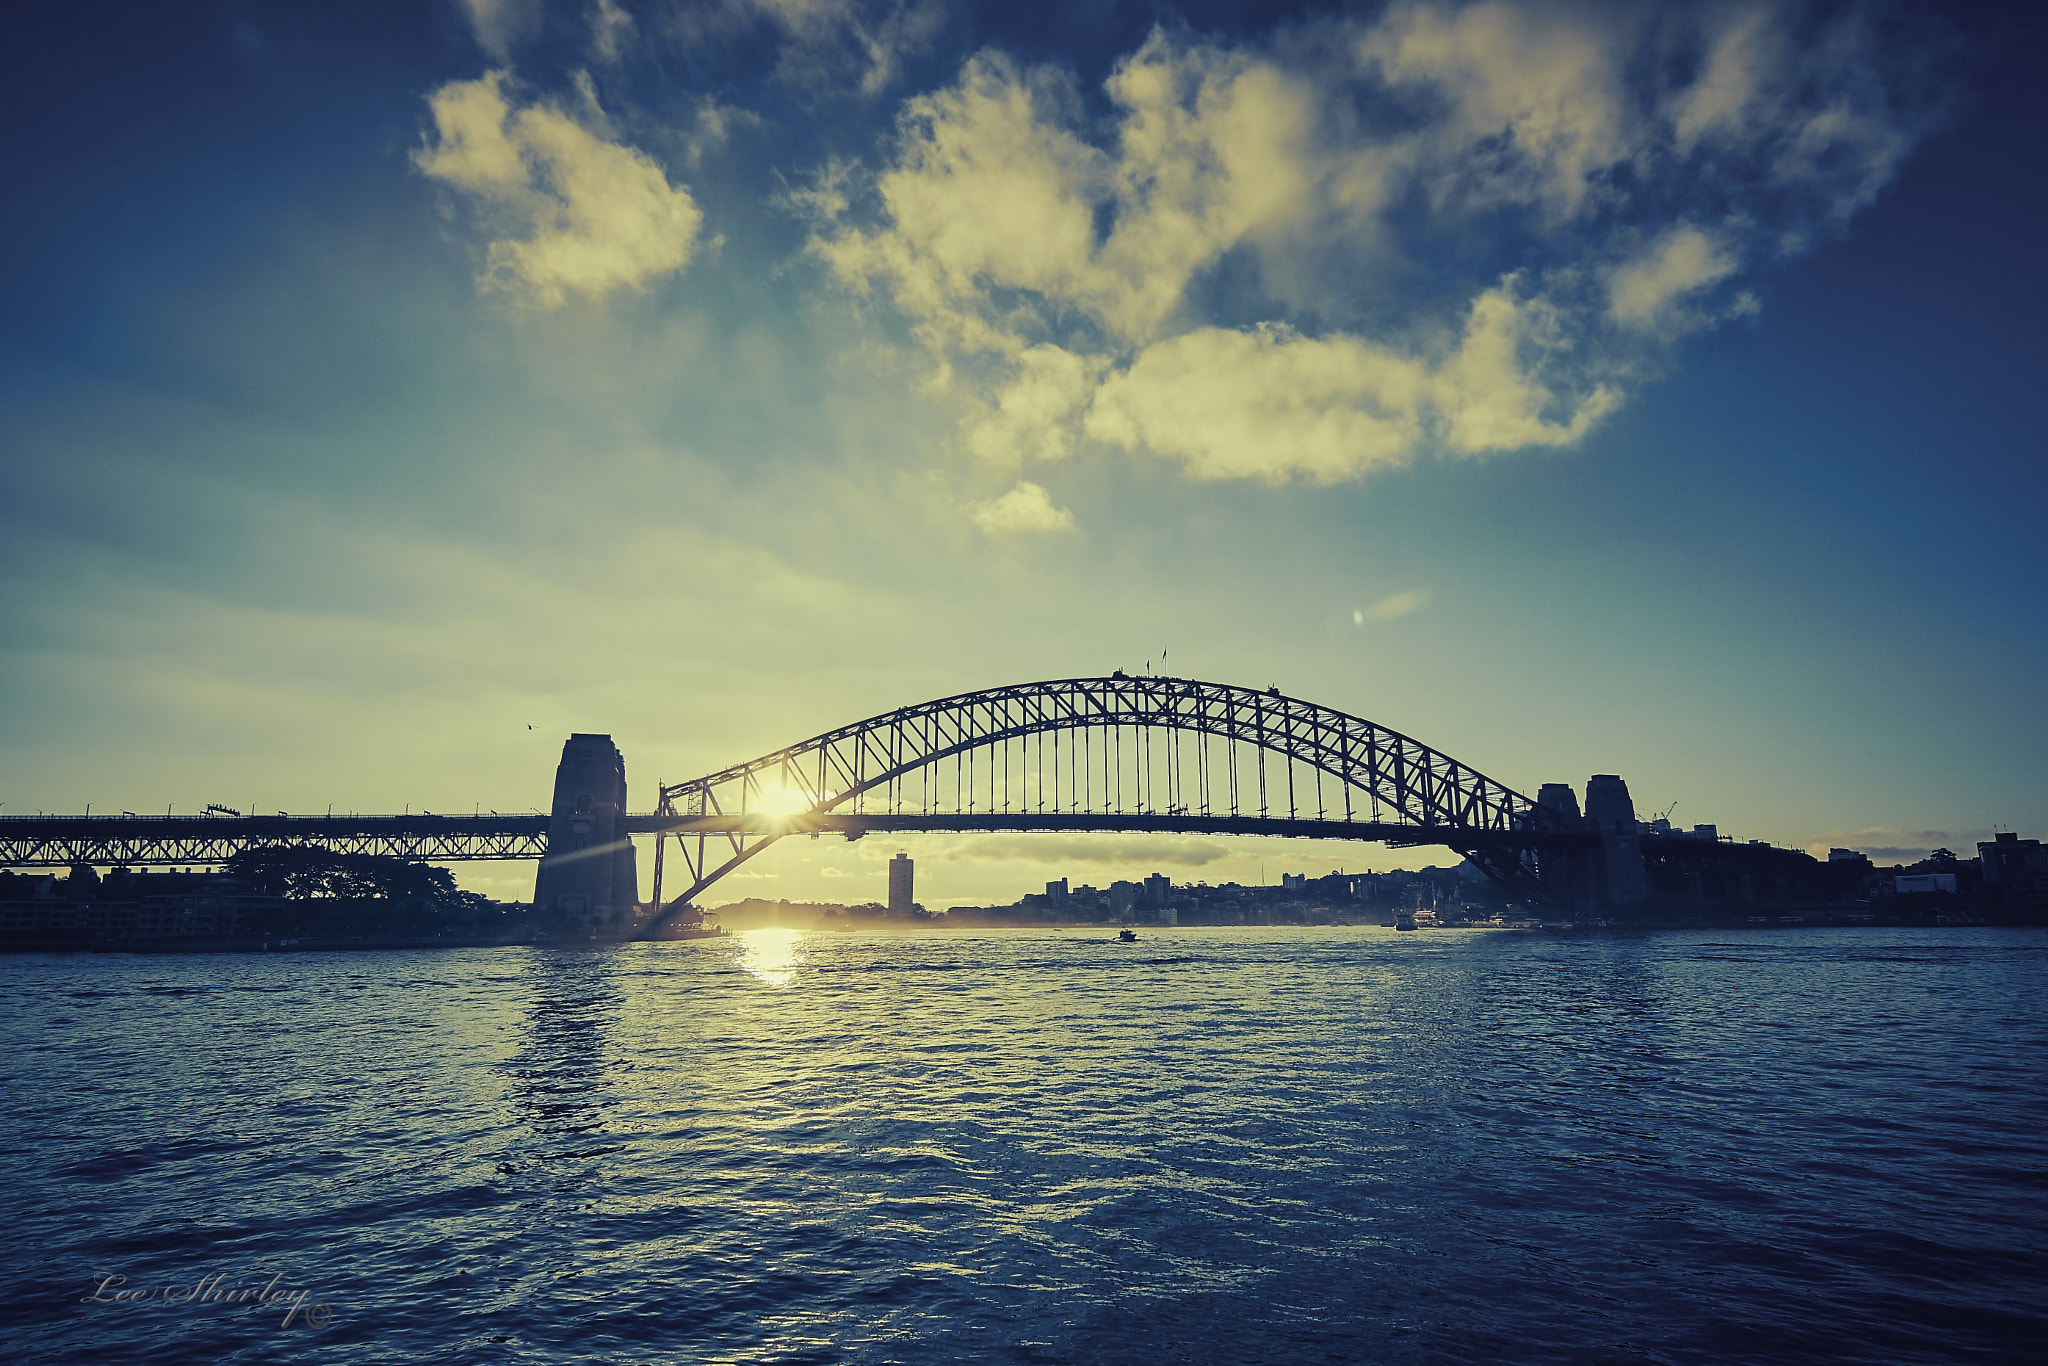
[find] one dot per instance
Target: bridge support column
(1619, 872)
(1606, 868)
(590, 872)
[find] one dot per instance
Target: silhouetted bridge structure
(187, 841)
(1120, 753)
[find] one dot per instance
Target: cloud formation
(822, 44)
(582, 213)
(1644, 291)
(500, 24)
(1458, 229)
(610, 28)
(1888, 844)
(1024, 509)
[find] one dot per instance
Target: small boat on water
(1403, 921)
(1126, 936)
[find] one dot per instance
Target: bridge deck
(197, 841)
(857, 824)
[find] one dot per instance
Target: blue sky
(1577, 388)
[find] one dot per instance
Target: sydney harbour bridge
(1121, 753)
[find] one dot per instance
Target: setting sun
(784, 801)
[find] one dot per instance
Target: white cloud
(587, 215)
(1030, 416)
(1265, 403)
(610, 27)
(1533, 109)
(991, 208)
(714, 124)
(992, 194)
(1743, 53)
(824, 43)
(1490, 395)
(501, 24)
(1645, 291)
(1268, 260)
(1270, 403)
(1817, 114)
(1026, 508)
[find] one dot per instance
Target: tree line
(305, 873)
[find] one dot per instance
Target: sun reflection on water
(773, 955)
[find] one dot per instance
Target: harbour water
(1212, 1145)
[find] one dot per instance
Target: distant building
(1924, 882)
(901, 872)
(2006, 858)
(1156, 888)
(1057, 890)
(2015, 872)
(1843, 856)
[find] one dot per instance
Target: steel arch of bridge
(1120, 753)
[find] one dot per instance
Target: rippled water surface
(1034, 1146)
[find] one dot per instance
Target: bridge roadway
(197, 841)
(201, 841)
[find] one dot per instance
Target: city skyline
(394, 391)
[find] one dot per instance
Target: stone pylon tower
(1618, 867)
(590, 869)
(1609, 872)
(1569, 876)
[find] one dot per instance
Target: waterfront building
(2015, 872)
(2005, 856)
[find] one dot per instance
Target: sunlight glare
(772, 955)
(784, 801)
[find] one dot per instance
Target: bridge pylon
(590, 871)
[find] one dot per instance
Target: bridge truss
(205, 841)
(1120, 753)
